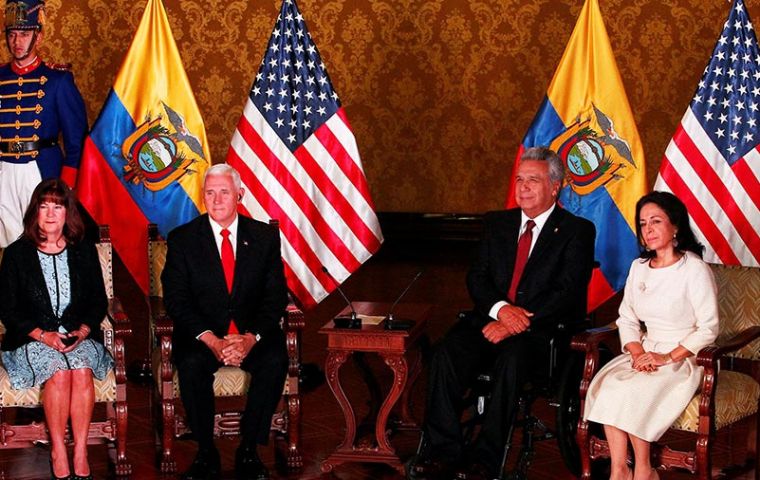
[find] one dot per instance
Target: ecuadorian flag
(144, 160)
(586, 119)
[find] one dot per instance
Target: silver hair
(545, 154)
(223, 169)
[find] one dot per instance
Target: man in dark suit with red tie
(531, 273)
(225, 290)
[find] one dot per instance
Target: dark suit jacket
(555, 281)
(195, 292)
(24, 300)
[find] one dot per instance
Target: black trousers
(267, 362)
(457, 360)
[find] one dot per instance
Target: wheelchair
(558, 382)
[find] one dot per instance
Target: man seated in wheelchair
(531, 273)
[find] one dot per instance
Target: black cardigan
(24, 300)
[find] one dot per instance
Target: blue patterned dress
(34, 363)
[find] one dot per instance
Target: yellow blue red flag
(585, 117)
(144, 160)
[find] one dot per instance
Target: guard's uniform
(43, 124)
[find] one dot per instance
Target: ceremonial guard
(43, 122)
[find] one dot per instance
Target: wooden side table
(393, 346)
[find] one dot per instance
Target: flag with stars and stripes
(712, 163)
(298, 159)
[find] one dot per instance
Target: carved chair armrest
(293, 324)
(591, 339)
(162, 329)
(294, 319)
(162, 324)
(708, 358)
(122, 328)
(588, 342)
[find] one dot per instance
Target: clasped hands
(64, 342)
(512, 320)
(230, 350)
(649, 361)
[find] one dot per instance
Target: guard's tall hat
(24, 14)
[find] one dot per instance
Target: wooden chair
(112, 390)
(726, 396)
(228, 381)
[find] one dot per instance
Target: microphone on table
(391, 323)
(344, 321)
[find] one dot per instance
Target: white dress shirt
(217, 229)
(540, 221)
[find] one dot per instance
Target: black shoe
(248, 465)
(54, 477)
(206, 466)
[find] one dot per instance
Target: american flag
(298, 158)
(712, 163)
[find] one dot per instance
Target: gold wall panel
(439, 92)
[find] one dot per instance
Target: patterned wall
(439, 92)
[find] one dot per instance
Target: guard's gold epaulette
(64, 67)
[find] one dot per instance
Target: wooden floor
(381, 279)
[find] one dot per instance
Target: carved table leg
(332, 369)
(397, 363)
(405, 420)
(367, 424)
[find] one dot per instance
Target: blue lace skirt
(34, 363)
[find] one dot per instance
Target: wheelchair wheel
(568, 411)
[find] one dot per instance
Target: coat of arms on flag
(593, 152)
(144, 159)
(161, 150)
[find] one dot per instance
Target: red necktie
(228, 264)
(523, 250)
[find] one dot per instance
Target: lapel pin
(556, 229)
(245, 243)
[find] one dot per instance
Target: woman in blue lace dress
(52, 300)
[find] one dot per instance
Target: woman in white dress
(640, 393)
